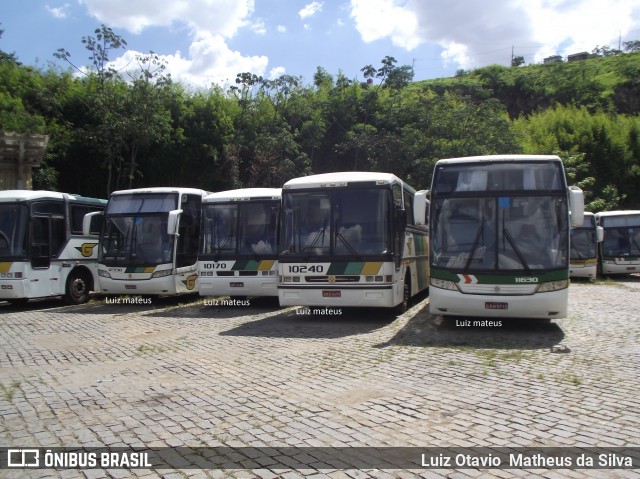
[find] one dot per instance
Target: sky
(205, 42)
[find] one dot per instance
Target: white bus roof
(29, 195)
(244, 194)
(488, 158)
(617, 213)
(340, 179)
(163, 189)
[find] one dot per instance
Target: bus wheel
(77, 288)
(406, 294)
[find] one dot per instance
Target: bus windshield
(14, 220)
(340, 222)
(136, 240)
(248, 229)
(583, 240)
(622, 236)
(526, 233)
(142, 203)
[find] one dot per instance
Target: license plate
(331, 294)
(495, 305)
(237, 285)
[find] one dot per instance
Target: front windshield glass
(341, 222)
(136, 240)
(13, 231)
(621, 235)
(247, 229)
(583, 240)
(500, 233)
(142, 203)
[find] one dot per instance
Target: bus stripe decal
(5, 266)
(355, 267)
(371, 268)
(253, 265)
(140, 269)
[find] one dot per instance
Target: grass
(9, 391)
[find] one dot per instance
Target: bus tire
(78, 287)
(406, 295)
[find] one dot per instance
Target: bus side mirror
(576, 206)
(172, 222)
(92, 223)
(420, 208)
(599, 234)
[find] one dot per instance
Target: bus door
(39, 283)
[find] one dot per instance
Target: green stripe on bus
(483, 278)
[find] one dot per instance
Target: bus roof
(162, 189)
(493, 158)
(30, 195)
(341, 179)
(244, 194)
(603, 214)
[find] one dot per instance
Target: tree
(517, 61)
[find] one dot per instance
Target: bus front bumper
(383, 297)
(551, 305)
(153, 286)
(238, 286)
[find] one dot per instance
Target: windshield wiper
(250, 247)
(319, 235)
(507, 235)
(349, 247)
(474, 246)
(219, 249)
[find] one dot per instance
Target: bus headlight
(443, 284)
(161, 273)
(103, 273)
(553, 286)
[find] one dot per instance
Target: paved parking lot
(207, 375)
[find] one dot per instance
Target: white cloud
(210, 24)
(310, 10)
(378, 19)
(58, 12)
(281, 29)
(472, 34)
(210, 61)
(276, 72)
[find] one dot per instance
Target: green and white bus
(149, 242)
(239, 245)
(584, 242)
(620, 248)
(500, 236)
(43, 251)
(352, 239)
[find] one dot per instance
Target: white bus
(43, 251)
(583, 261)
(149, 241)
(239, 245)
(352, 239)
(620, 248)
(500, 236)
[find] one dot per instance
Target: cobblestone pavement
(197, 374)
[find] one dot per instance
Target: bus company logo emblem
(190, 282)
(23, 458)
(468, 279)
(331, 279)
(86, 249)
